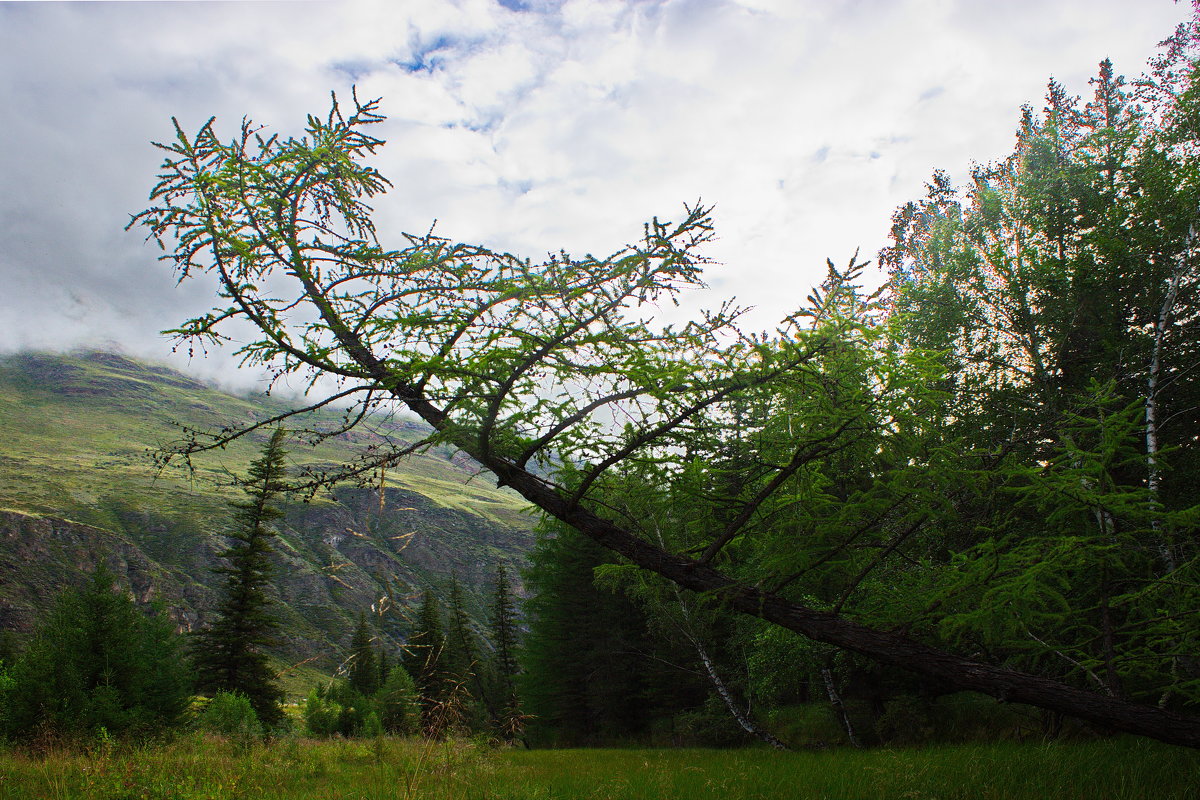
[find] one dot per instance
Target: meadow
(197, 767)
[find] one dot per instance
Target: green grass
(77, 429)
(199, 768)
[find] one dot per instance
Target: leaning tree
(555, 377)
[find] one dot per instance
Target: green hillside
(77, 485)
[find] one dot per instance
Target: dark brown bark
(885, 647)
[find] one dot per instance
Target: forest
(949, 501)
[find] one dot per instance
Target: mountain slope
(77, 485)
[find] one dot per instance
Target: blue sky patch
(425, 55)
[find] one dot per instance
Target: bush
(371, 725)
(321, 715)
(7, 685)
(710, 725)
(811, 725)
(336, 708)
(906, 720)
(231, 715)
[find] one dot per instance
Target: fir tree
(364, 675)
(423, 659)
(461, 655)
(397, 702)
(462, 663)
(231, 653)
(385, 666)
(584, 675)
(503, 625)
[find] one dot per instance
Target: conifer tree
(364, 675)
(385, 666)
(96, 663)
(397, 702)
(503, 625)
(461, 652)
(464, 669)
(584, 679)
(423, 658)
(231, 653)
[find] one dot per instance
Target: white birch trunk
(743, 718)
(835, 700)
(1153, 468)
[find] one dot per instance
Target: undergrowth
(198, 767)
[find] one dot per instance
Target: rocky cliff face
(77, 488)
(40, 556)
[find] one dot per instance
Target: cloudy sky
(525, 125)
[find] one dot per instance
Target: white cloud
(563, 125)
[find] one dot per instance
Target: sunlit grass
(200, 768)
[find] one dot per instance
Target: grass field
(198, 768)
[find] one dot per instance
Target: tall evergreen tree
(231, 653)
(363, 671)
(423, 659)
(385, 666)
(584, 677)
(502, 622)
(465, 669)
(462, 654)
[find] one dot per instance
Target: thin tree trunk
(1153, 468)
(743, 718)
(835, 700)
(1113, 680)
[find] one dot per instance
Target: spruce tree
(462, 663)
(385, 666)
(585, 673)
(503, 625)
(231, 653)
(461, 652)
(363, 672)
(423, 659)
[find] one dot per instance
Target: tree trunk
(743, 718)
(885, 647)
(1153, 468)
(835, 700)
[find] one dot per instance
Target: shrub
(906, 720)
(710, 725)
(321, 715)
(231, 715)
(336, 708)
(371, 725)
